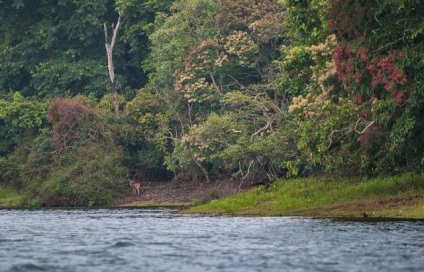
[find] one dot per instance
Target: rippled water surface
(157, 240)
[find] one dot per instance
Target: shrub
(87, 176)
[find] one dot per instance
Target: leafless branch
(333, 131)
(330, 140)
(366, 127)
(172, 137)
(262, 129)
(237, 82)
(218, 91)
(394, 42)
(243, 177)
(203, 170)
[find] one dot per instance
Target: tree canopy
(245, 89)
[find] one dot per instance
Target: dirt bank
(176, 193)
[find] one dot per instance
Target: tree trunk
(205, 172)
(115, 98)
(109, 53)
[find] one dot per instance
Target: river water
(159, 240)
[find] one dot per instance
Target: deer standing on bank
(135, 186)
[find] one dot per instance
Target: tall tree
(109, 53)
(201, 52)
(358, 96)
(53, 49)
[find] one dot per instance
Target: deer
(135, 186)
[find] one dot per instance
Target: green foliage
(144, 112)
(143, 134)
(306, 21)
(204, 57)
(8, 171)
(300, 196)
(87, 176)
(57, 49)
(264, 158)
(213, 195)
(249, 138)
(305, 24)
(388, 89)
(252, 89)
(69, 76)
(354, 91)
(74, 163)
(204, 142)
(10, 198)
(34, 203)
(106, 103)
(19, 118)
(200, 56)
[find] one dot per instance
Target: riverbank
(179, 194)
(391, 197)
(152, 194)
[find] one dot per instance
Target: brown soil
(179, 193)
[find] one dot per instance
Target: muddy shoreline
(177, 193)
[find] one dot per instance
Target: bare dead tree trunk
(109, 53)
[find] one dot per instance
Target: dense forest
(199, 90)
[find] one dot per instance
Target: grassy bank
(10, 198)
(395, 197)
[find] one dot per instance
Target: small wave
(122, 244)
(160, 244)
(27, 267)
(5, 240)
